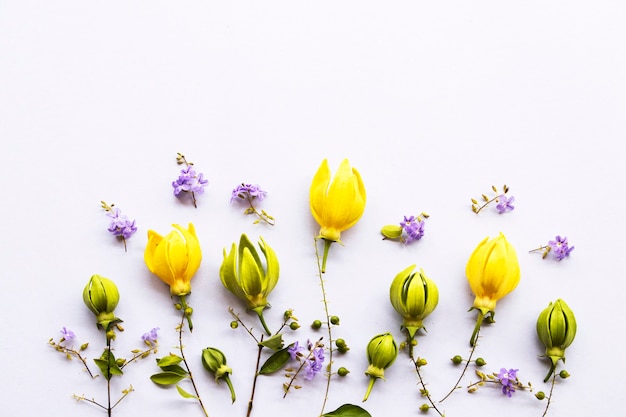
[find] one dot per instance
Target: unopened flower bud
(334, 320)
(540, 395)
(556, 328)
(101, 297)
(457, 359)
(480, 362)
(564, 374)
(294, 325)
(421, 362)
(382, 351)
(316, 324)
(84, 346)
(424, 408)
(214, 361)
(188, 311)
(342, 371)
(234, 324)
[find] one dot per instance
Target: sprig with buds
(504, 203)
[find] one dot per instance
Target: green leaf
(169, 360)
(167, 378)
(107, 365)
(275, 342)
(175, 369)
(275, 362)
(184, 393)
(348, 410)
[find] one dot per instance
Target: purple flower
(508, 390)
(560, 248)
(120, 224)
(504, 204)
(67, 334)
(313, 365)
(151, 336)
(294, 350)
(508, 379)
(412, 229)
(248, 191)
(189, 181)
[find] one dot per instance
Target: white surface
(432, 102)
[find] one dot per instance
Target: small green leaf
(175, 369)
(348, 410)
(391, 231)
(169, 360)
(275, 362)
(184, 393)
(275, 342)
(167, 378)
(108, 365)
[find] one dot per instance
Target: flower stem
(479, 322)
(545, 412)
(369, 388)
(327, 244)
(425, 392)
(259, 312)
(469, 359)
(320, 272)
(182, 353)
(256, 375)
(109, 409)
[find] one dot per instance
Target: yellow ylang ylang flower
(556, 328)
(174, 258)
(492, 272)
(414, 296)
(242, 272)
(337, 203)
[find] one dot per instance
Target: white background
(433, 102)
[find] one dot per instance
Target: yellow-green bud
(101, 297)
(294, 325)
(421, 362)
(214, 361)
(317, 324)
(540, 395)
(457, 359)
(424, 408)
(564, 374)
(392, 231)
(556, 328)
(382, 351)
(334, 320)
(414, 296)
(480, 362)
(234, 324)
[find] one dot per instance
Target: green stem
(545, 412)
(554, 361)
(259, 312)
(425, 392)
(469, 360)
(479, 322)
(230, 387)
(369, 388)
(327, 244)
(182, 354)
(185, 306)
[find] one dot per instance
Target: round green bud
(457, 359)
(340, 343)
(234, 324)
(424, 408)
(188, 311)
(480, 362)
(334, 320)
(120, 361)
(342, 371)
(421, 362)
(540, 395)
(288, 314)
(564, 374)
(294, 325)
(178, 306)
(316, 324)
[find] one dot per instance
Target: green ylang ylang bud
(556, 328)
(101, 297)
(382, 351)
(214, 361)
(414, 296)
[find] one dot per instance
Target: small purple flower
(508, 379)
(313, 365)
(67, 334)
(412, 229)
(247, 192)
(508, 390)
(189, 181)
(151, 336)
(294, 350)
(120, 224)
(505, 203)
(560, 247)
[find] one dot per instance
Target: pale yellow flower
(174, 258)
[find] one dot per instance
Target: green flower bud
(457, 359)
(234, 324)
(294, 325)
(317, 324)
(101, 297)
(342, 371)
(480, 362)
(214, 361)
(540, 395)
(334, 320)
(382, 351)
(421, 362)
(564, 374)
(556, 328)
(414, 296)
(243, 273)
(392, 231)
(424, 408)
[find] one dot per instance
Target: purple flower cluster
(560, 247)
(312, 363)
(505, 203)
(412, 229)
(508, 379)
(151, 336)
(189, 181)
(120, 224)
(248, 192)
